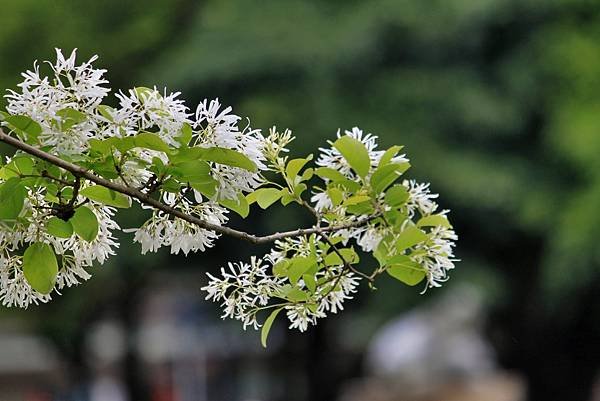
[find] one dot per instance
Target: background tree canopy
(496, 101)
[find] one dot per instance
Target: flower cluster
(246, 289)
(162, 230)
(435, 255)
(77, 254)
(66, 107)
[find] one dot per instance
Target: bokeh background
(498, 105)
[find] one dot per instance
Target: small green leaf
(286, 197)
(411, 236)
(197, 174)
(349, 255)
(106, 112)
(240, 206)
(434, 220)
(294, 166)
(330, 174)
(396, 195)
(59, 228)
(186, 134)
(143, 92)
(151, 141)
(402, 268)
(310, 282)
(264, 333)
(298, 266)
(40, 267)
(356, 199)
(228, 157)
(24, 124)
(336, 196)
(106, 196)
(71, 116)
(389, 154)
(355, 153)
(385, 175)
(85, 223)
(267, 196)
(12, 198)
(280, 268)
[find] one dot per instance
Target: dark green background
(496, 101)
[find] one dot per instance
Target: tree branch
(81, 172)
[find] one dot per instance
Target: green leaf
(330, 174)
(85, 223)
(356, 199)
(336, 196)
(286, 197)
(389, 154)
(411, 236)
(264, 333)
(106, 111)
(385, 175)
(40, 267)
(197, 174)
(228, 157)
(349, 255)
(106, 196)
(106, 146)
(396, 195)
(186, 134)
(267, 196)
(240, 206)
(24, 124)
(355, 153)
(20, 165)
(294, 166)
(143, 92)
(434, 220)
(402, 268)
(70, 117)
(280, 268)
(59, 228)
(12, 198)
(298, 266)
(310, 282)
(152, 141)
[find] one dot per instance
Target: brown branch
(79, 171)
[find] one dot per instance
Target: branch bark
(146, 199)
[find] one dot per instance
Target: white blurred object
(435, 343)
(106, 388)
(436, 353)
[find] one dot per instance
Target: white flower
(332, 158)
(163, 230)
(420, 198)
(144, 109)
(219, 128)
(78, 88)
(243, 290)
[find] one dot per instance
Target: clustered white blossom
(216, 127)
(246, 289)
(77, 254)
(67, 104)
(438, 257)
